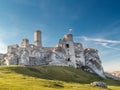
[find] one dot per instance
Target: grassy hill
(50, 78)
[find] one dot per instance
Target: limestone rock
(58, 57)
(2, 58)
(92, 61)
(99, 84)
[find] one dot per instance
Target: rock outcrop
(99, 84)
(92, 61)
(2, 56)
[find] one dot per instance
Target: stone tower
(25, 43)
(37, 38)
(69, 48)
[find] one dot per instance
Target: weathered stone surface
(99, 84)
(58, 57)
(2, 58)
(92, 61)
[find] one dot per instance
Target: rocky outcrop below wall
(93, 62)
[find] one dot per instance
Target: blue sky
(95, 23)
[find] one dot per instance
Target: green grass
(50, 78)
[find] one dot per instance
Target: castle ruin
(65, 53)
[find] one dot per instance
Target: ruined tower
(69, 48)
(37, 38)
(25, 43)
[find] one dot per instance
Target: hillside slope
(49, 78)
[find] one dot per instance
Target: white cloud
(100, 40)
(103, 42)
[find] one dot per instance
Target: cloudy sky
(95, 23)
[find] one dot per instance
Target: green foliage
(49, 78)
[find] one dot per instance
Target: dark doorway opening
(67, 45)
(68, 59)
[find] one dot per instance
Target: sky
(94, 23)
